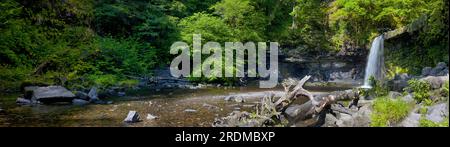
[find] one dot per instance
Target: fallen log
(269, 112)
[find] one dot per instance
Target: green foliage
(123, 56)
(210, 27)
(445, 90)
(421, 90)
(311, 28)
(423, 122)
(65, 42)
(388, 111)
(378, 89)
(393, 70)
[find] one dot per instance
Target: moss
(388, 111)
(423, 122)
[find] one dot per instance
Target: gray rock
(441, 65)
(402, 76)
(28, 91)
(132, 117)
(398, 85)
(437, 113)
(79, 102)
(93, 95)
(151, 117)
(121, 94)
(426, 71)
(394, 94)
(435, 82)
(362, 117)
(52, 94)
(292, 111)
(345, 120)
(236, 98)
(411, 121)
(210, 107)
(190, 110)
(339, 64)
(408, 98)
(81, 95)
(330, 121)
(440, 70)
(23, 101)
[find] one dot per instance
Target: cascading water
(375, 62)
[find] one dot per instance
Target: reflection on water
(168, 105)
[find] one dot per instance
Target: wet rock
(93, 95)
(236, 98)
(190, 110)
(132, 117)
(330, 121)
(151, 117)
(28, 91)
(52, 94)
(81, 95)
(101, 102)
(437, 113)
(411, 121)
(394, 94)
(79, 102)
(210, 107)
(23, 101)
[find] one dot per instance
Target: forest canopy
(85, 42)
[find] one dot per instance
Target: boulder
(236, 98)
(330, 121)
(28, 91)
(362, 117)
(23, 101)
(435, 82)
(394, 94)
(81, 95)
(132, 117)
(79, 102)
(345, 120)
(2, 110)
(292, 111)
(52, 94)
(411, 121)
(408, 98)
(440, 70)
(151, 117)
(437, 113)
(121, 94)
(93, 95)
(426, 71)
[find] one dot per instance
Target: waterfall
(375, 62)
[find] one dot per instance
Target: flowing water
(168, 105)
(375, 61)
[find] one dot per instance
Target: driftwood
(271, 112)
